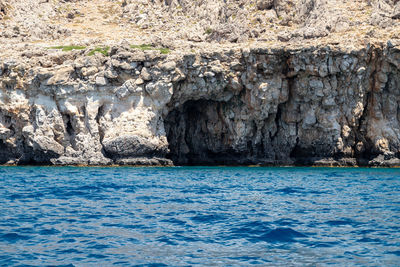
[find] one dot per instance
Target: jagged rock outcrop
(309, 106)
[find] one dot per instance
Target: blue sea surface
(220, 216)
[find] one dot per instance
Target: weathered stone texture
(316, 106)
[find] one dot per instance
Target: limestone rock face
(308, 106)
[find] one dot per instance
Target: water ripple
(199, 216)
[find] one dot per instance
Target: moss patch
(102, 50)
(164, 50)
(144, 47)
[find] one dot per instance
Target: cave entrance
(198, 134)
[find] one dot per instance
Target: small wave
(206, 190)
(123, 263)
(286, 222)
(25, 230)
(151, 265)
(260, 232)
(282, 235)
(67, 240)
(133, 240)
(316, 192)
(333, 174)
(131, 189)
(250, 230)
(92, 216)
(127, 226)
(341, 222)
(97, 256)
(181, 200)
(299, 190)
(365, 231)
(51, 231)
(69, 251)
(290, 190)
(62, 265)
(167, 241)
(369, 240)
(97, 174)
(200, 190)
(147, 198)
(208, 218)
(324, 244)
(87, 187)
(135, 226)
(174, 221)
(99, 246)
(250, 260)
(186, 238)
(13, 237)
(396, 252)
(40, 176)
(115, 186)
(25, 196)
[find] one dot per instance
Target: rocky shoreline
(324, 106)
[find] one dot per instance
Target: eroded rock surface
(185, 24)
(309, 106)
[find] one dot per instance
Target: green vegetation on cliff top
(143, 47)
(104, 50)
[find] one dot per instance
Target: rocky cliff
(160, 82)
(326, 105)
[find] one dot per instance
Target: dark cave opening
(198, 135)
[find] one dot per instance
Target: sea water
(69, 216)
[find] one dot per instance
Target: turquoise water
(65, 216)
